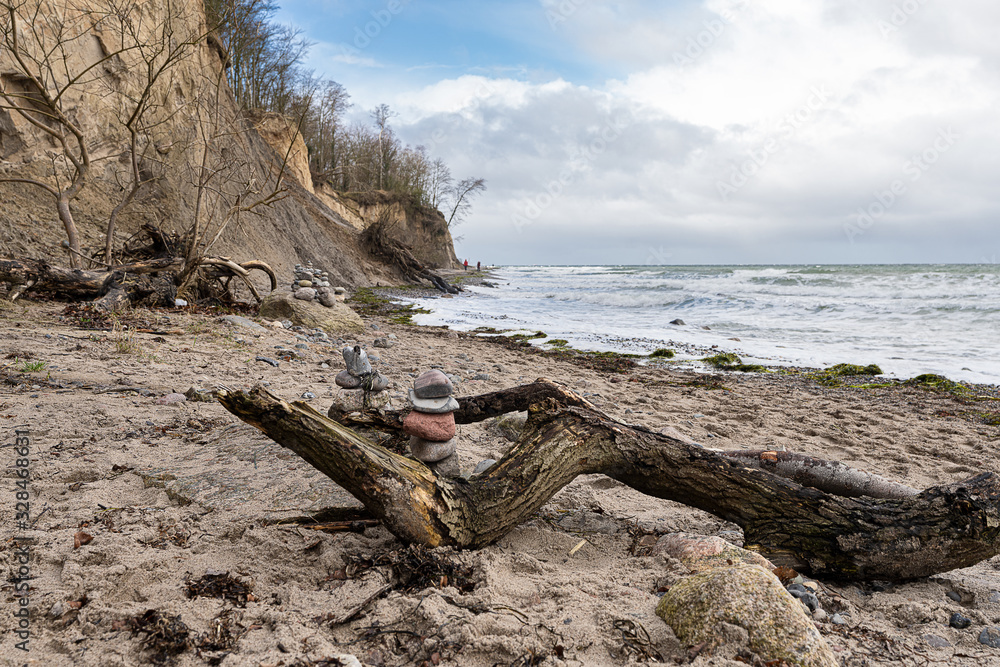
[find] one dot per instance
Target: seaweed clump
(415, 568)
(367, 302)
(537, 334)
(937, 383)
(165, 636)
(730, 361)
(221, 586)
(831, 376)
(664, 353)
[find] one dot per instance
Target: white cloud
(805, 111)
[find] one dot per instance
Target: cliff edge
(198, 153)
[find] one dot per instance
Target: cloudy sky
(690, 132)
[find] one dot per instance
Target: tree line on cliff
(265, 72)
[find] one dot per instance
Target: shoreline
(779, 317)
(693, 362)
(188, 489)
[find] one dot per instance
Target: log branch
(938, 529)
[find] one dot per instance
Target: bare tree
(152, 52)
(38, 41)
(228, 181)
(438, 182)
(387, 144)
(45, 43)
(324, 132)
(462, 194)
(264, 58)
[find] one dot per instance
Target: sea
(908, 319)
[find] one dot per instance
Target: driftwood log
(850, 534)
(116, 287)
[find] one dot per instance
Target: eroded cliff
(198, 154)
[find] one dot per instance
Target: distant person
(466, 265)
(478, 266)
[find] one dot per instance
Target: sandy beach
(166, 495)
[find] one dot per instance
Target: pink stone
(171, 399)
(433, 427)
(699, 552)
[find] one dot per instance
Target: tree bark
(858, 538)
(76, 283)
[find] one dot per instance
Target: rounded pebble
(990, 637)
(959, 622)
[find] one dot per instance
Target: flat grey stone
(431, 452)
(446, 467)
(433, 405)
(483, 466)
(243, 322)
(347, 381)
(937, 642)
(990, 637)
(374, 382)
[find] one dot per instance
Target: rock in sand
(338, 319)
(749, 597)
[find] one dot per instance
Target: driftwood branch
(896, 538)
(113, 289)
(76, 283)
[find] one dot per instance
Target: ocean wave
(932, 317)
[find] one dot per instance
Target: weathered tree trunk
(117, 287)
(895, 538)
(76, 283)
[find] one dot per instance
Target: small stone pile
(431, 423)
(312, 284)
(361, 386)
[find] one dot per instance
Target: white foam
(909, 320)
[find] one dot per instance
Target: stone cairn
(361, 387)
(314, 285)
(431, 423)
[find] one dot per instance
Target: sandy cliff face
(190, 115)
(422, 228)
(284, 138)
